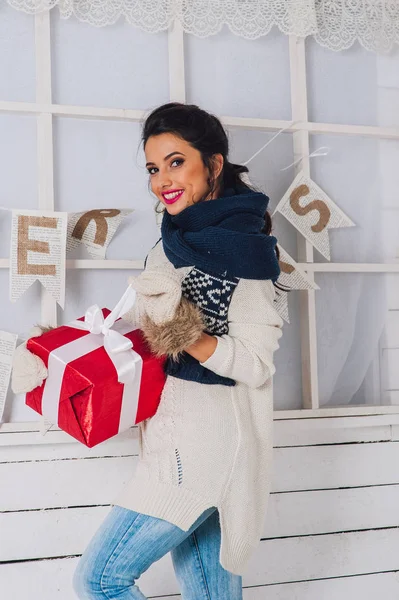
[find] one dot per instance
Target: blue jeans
(127, 543)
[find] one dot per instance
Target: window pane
(360, 175)
(99, 164)
(18, 170)
(125, 67)
(17, 52)
(388, 89)
(231, 75)
(287, 380)
(358, 338)
(85, 287)
(265, 173)
(342, 86)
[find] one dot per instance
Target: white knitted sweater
(211, 445)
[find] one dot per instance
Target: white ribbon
(128, 363)
(117, 346)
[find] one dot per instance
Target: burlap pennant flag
(94, 229)
(38, 245)
(312, 212)
(293, 278)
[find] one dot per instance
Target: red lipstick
(175, 198)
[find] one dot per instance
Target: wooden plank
(47, 484)
(331, 267)
(292, 427)
(128, 114)
(67, 531)
(177, 84)
(124, 444)
(366, 587)
(278, 562)
(321, 556)
(32, 446)
(83, 263)
(307, 299)
(63, 482)
(57, 575)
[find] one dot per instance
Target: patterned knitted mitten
(28, 370)
(158, 296)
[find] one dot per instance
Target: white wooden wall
(332, 527)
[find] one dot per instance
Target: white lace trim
(336, 24)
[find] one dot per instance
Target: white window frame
(44, 109)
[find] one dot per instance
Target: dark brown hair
(205, 133)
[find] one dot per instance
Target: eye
(153, 170)
(178, 160)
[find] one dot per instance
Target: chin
(174, 209)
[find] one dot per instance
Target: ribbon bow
(117, 346)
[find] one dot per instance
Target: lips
(172, 200)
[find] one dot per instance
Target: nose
(164, 180)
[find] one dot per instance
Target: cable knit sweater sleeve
(245, 354)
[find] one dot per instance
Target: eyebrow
(166, 157)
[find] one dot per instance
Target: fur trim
(28, 371)
(171, 337)
(39, 330)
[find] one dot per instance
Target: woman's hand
(203, 348)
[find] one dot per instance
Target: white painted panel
(230, 75)
(58, 573)
(17, 64)
(46, 484)
(125, 68)
(67, 531)
(367, 587)
(327, 467)
(56, 444)
(63, 483)
(277, 561)
(331, 555)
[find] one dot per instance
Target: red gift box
(82, 393)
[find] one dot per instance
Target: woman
(205, 298)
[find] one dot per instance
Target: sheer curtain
(336, 24)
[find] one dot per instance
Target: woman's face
(178, 175)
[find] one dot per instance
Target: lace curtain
(336, 24)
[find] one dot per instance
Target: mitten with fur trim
(158, 296)
(172, 336)
(28, 370)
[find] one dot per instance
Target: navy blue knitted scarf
(223, 242)
(223, 235)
